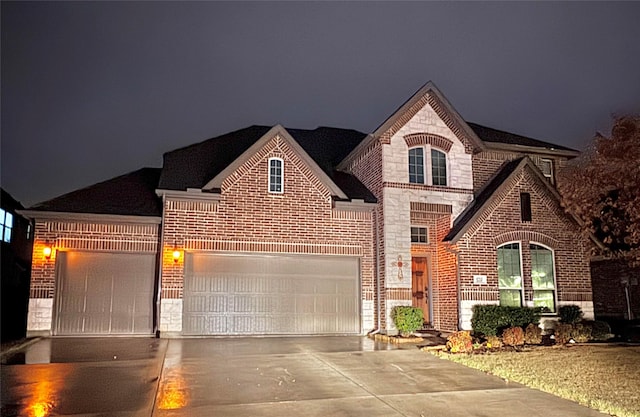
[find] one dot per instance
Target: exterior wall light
(176, 254)
(47, 250)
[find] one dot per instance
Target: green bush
(600, 330)
(581, 332)
(513, 336)
(562, 333)
(460, 342)
(533, 334)
(407, 319)
(570, 314)
(489, 320)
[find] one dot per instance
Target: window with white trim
(546, 166)
(6, 225)
(419, 166)
(419, 235)
(543, 277)
(276, 175)
(510, 275)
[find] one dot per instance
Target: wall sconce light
(47, 250)
(176, 254)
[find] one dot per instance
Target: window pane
(9, 220)
(7, 234)
(509, 271)
(544, 299)
(419, 235)
(510, 298)
(541, 267)
(416, 166)
(1, 217)
(275, 176)
(438, 167)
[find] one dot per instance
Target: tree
(602, 188)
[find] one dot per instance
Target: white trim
(555, 276)
(427, 165)
(281, 183)
(425, 181)
(89, 217)
(550, 176)
(522, 298)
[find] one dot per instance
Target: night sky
(94, 90)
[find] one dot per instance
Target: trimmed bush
(490, 320)
(581, 332)
(600, 331)
(562, 333)
(460, 342)
(533, 334)
(513, 336)
(407, 319)
(494, 342)
(570, 314)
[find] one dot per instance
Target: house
(269, 230)
(16, 237)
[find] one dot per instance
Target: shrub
(581, 332)
(460, 342)
(489, 320)
(562, 333)
(570, 314)
(600, 331)
(407, 319)
(494, 342)
(513, 336)
(533, 334)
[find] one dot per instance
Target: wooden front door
(420, 282)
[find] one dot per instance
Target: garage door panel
(254, 294)
(105, 293)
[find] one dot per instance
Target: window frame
(427, 165)
(550, 162)
(416, 174)
(419, 235)
(554, 290)
(526, 215)
(433, 167)
(6, 230)
(276, 180)
(519, 289)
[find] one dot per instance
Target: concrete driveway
(312, 376)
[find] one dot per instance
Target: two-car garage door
(262, 294)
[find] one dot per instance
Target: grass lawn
(602, 377)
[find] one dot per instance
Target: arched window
(276, 175)
(438, 167)
(510, 275)
(416, 166)
(543, 277)
(419, 166)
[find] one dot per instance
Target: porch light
(176, 254)
(47, 250)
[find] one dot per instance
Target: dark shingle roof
(193, 166)
(483, 196)
(489, 134)
(129, 194)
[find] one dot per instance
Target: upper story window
(437, 165)
(510, 275)
(276, 175)
(6, 225)
(546, 166)
(525, 207)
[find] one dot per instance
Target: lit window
(438, 167)
(546, 165)
(419, 235)
(275, 175)
(510, 275)
(416, 166)
(542, 277)
(6, 225)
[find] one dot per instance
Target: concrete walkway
(313, 376)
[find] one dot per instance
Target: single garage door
(261, 294)
(104, 293)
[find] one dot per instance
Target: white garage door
(261, 294)
(104, 293)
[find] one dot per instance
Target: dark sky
(94, 90)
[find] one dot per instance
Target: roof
(129, 194)
(488, 134)
(465, 220)
(8, 201)
(194, 166)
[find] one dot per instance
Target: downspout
(160, 263)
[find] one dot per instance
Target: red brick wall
(550, 226)
(97, 236)
(609, 298)
(248, 218)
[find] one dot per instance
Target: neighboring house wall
(616, 289)
(69, 235)
(247, 218)
(502, 223)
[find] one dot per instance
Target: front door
(420, 282)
